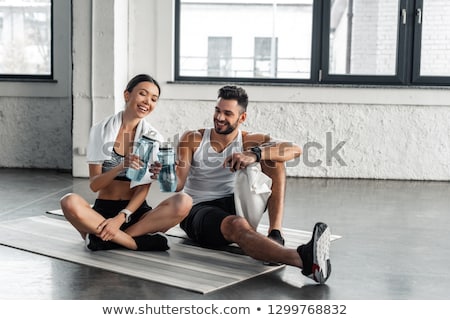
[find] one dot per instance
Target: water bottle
(167, 176)
(143, 149)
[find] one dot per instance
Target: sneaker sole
(321, 268)
(87, 241)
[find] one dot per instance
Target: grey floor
(395, 245)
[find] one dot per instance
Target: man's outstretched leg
(313, 258)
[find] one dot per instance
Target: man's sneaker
(276, 236)
(94, 243)
(316, 254)
(151, 242)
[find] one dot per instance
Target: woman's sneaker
(94, 243)
(316, 254)
(152, 242)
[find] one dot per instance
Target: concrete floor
(395, 245)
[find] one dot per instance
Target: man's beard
(228, 129)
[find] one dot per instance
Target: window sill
(34, 80)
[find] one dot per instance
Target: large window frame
(37, 77)
(408, 56)
(59, 84)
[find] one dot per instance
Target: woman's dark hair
(234, 93)
(142, 78)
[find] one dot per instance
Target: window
(398, 42)
(435, 48)
(432, 41)
(361, 42)
(264, 39)
(363, 37)
(25, 39)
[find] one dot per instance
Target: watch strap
(257, 151)
(127, 213)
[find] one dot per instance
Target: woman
(120, 216)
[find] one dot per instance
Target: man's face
(228, 116)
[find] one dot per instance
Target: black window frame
(407, 60)
(36, 77)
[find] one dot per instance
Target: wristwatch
(127, 214)
(257, 151)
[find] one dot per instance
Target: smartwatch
(127, 214)
(257, 151)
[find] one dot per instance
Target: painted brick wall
(369, 141)
(35, 133)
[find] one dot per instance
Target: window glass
(219, 57)
(265, 57)
(363, 37)
(435, 49)
(245, 39)
(25, 37)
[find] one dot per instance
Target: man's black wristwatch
(257, 151)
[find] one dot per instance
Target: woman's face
(142, 98)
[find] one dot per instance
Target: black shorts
(203, 222)
(110, 209)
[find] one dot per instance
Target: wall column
(100, 55)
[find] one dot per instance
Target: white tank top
(208, 179)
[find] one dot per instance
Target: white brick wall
(380, 141)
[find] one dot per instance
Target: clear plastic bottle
(167, 176)
(143, 149)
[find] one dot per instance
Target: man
(208, 161)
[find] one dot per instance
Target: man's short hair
(234, 93)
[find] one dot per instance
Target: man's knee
(233, 227)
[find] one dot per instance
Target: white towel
(103, 135)
(251, 192)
